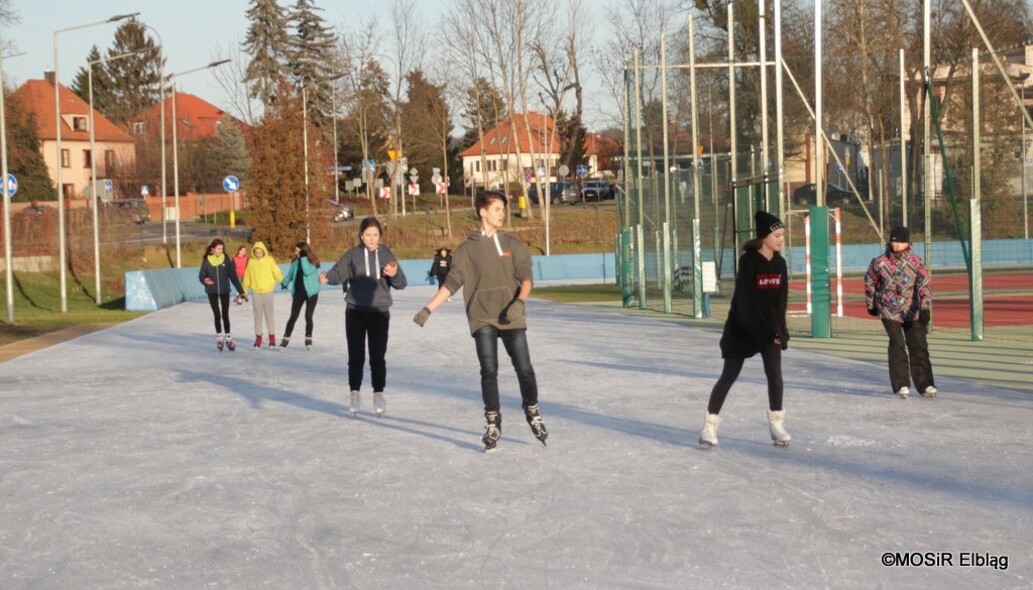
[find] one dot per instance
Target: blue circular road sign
(11, 186)
(230, 184)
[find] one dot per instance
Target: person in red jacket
(756, 324)
(240, 263)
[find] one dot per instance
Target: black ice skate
(308, 344)
(493, 431)
(534, 420)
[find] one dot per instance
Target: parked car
(596, 190)
(562, 193)
(806, 194)
(129, 210)
(36, 209)
(341, 212)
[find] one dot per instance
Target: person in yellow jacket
(261, 277)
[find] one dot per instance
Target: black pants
(771, 354)
(357, 326)
(441, 279)
(515, 341)
(222, 317)
(310, 308)
(908, 353)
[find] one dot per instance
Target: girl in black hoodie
(217, 273)
(756, 323)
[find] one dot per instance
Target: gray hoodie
(361, 271)
(490, 271)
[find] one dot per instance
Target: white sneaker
(355, 404)
(930, 391)
(379, 405)
(903, 392)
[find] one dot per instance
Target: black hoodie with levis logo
(758, 312)
(490, 271)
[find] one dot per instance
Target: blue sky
(193, 32)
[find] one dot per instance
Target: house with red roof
(520, 145)
(195, 118)
(115, 149)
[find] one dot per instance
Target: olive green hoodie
(490, 271)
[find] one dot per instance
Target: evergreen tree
(24, 158)
(310, 57)
(483, 102)
(267, 42)
(425, 117)
(225, 153)
(135, 79)
(101, 82)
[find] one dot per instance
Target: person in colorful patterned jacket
(897, 291)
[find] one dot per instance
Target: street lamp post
(93, 167)
(304, 138)
(161, 100)
(57, 123)
(175, 151)
(7, 195)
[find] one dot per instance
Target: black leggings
(221, 320)
(357, 325)
(310, 308)
(771, 354)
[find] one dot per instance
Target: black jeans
(357, 326)
(908, 353)
(515, 341)
(771, 354)
(222, 317)
(310, 308)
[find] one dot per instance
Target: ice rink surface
(140, 457)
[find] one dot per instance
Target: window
(79, 124)
(87, 159)
(505, 139)
(493, 165)
(109, 162)
(477, 165)
(66, 159)
(505, 164)
(68, 190)
(139, 128)
(492, 142)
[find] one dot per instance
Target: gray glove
(421, 316)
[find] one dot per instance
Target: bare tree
(230, 77)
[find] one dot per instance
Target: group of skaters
(493, 269)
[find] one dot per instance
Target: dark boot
(534, 420)
(493, 430)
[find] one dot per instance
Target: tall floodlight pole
(175, 151)
(819, 145)
(93, 168)
(903, 148)
(763, 41)
(926, 129)
(62, 262)
(7, 195)
(697, 184)
(779, 129)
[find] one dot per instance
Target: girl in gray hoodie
(368, 272)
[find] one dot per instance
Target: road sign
(230, 183)
(414, 190)
(436, 178)
(109, 187)
(582, 170)
(144, 190)
(439, 187)
(385, 192)
(564, 170)
(11, 185)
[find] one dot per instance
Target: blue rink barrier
(151, 290)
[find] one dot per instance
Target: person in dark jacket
(441, 265)
(494, 271)
(756, 324)
(217, 274)
(304, 273)
(368, 272)
(897, 291)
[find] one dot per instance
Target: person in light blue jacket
(304, 274)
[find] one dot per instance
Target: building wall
(77, 173)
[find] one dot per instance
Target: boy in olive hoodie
(261, 277)
(494, 271)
